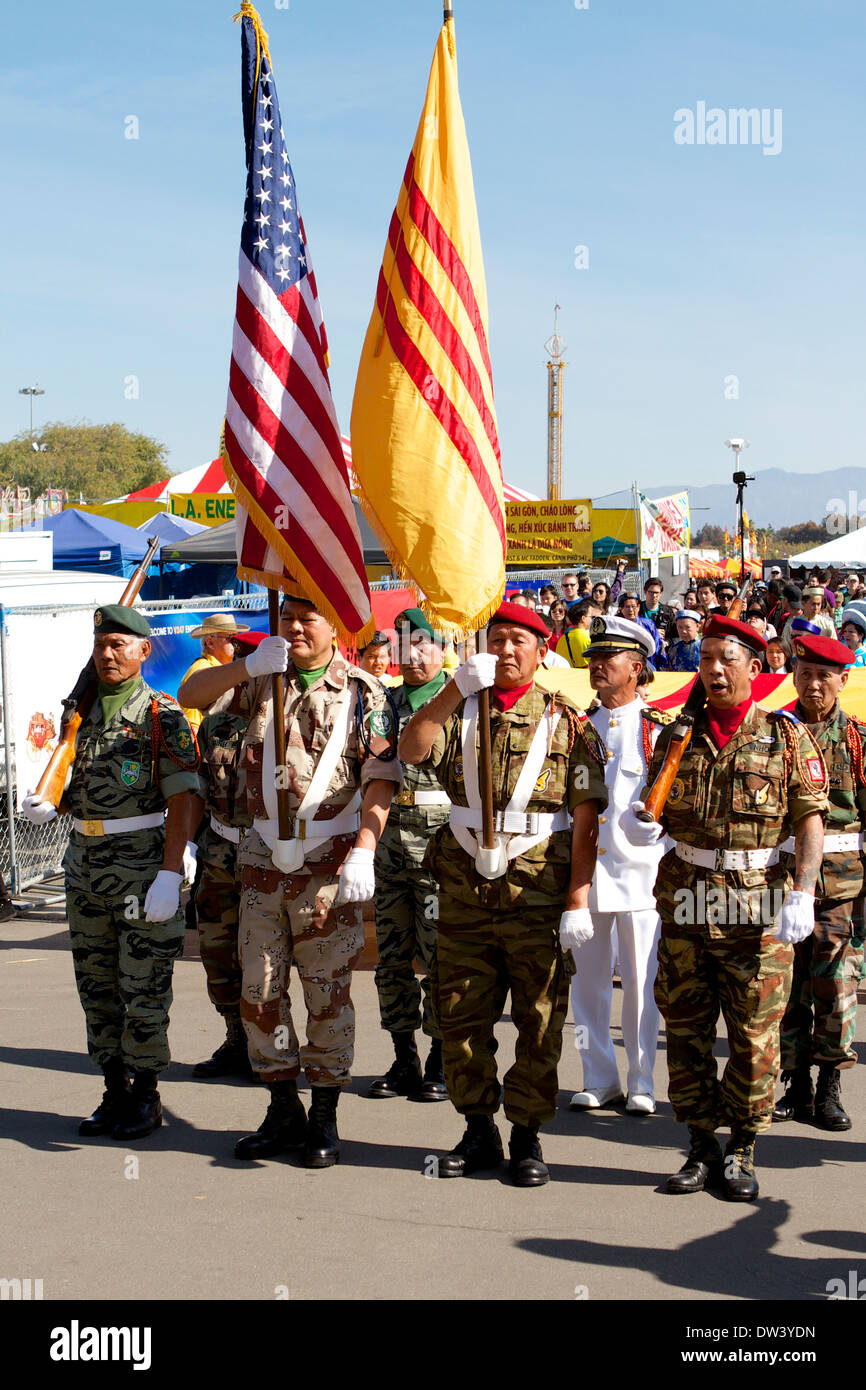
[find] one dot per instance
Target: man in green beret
(133, 797)
(406, 903)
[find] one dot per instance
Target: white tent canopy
(848, 551)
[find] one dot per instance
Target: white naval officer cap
(609, 635)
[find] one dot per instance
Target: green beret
(115, 617)
(415, 620)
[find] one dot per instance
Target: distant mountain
(776, 498)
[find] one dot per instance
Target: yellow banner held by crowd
(549, 533)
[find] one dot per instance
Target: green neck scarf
(114, 697)
(418, 695)
(306, 678)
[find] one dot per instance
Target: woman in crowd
(559, 620)
(853, 633)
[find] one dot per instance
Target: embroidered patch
(541, 784)
(184, 740)
(761, 794)
(677, 791)
(815, 770)
(380, 722)
(129, 773)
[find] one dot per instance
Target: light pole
(31, 391)
(740, 481)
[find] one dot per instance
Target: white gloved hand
(796, 921)
(189, 861)
(269, 658)
(37, 811)
(575, 928)
(477, 673)
(357, 880)
(163, 896)
(641, 833)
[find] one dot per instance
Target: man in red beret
(510, 917)
(821, 1018)
(748, 782)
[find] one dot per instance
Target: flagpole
(283, 818)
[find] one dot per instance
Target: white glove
(163, 896)
(37, 811)
(796, 921)
(641, 833)
(575, 928)
(477, 673)
(357, 880)
(269, 658)
(189, 860)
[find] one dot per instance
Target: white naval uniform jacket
(624, 874)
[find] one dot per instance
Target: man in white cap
(684, 653)
(621, 893)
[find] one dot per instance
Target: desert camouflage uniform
(750, 795)
(123, 964)
(821, 1018)
(407, 901)
(217, 898)
(503, 934)
(278, 921)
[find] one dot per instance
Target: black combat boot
(433, 1086)
(829, 1113)
(142, 1112)
(322, 1147)
(738, 1166)
(701, 1165)
(7, 910)
(404, 1076)
(111, 1109)
(284, 1126)
(231, 1058)
(480, 1147)
(526, 1166)
(799, 1097)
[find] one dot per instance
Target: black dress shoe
(526, 1166)
(322, 1146)
(232, 1059)
(142, 1109)
(829, 1112)
(480, 1148)
(433, 1086)
(284, 1126)
(112, 1108)
(738, 1171)
(701, 1166)
(798, 1101)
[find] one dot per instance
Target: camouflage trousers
(123, 970)
(820, 1021)
(748, 977)
(217, 908)
(482, 955)
(406, 910)
(287, 918)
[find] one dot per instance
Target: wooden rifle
(79, 702)
(681, 733)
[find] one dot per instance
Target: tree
(803, 534)
(100, 461)
(709, 537)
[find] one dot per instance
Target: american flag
(283, 453)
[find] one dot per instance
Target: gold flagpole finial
(249, 11)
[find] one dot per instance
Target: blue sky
(705, 262)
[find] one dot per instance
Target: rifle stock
(78, 705)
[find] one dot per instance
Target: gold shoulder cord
(855, 750)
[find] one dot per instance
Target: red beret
(825, 650)
(518, 616)
(740, 632)
(249, 639)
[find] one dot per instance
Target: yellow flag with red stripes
(425, 446)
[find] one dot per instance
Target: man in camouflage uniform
(501, 921)
(407, 893)
(746, 782)
(821, 1018)
(301, 898)
(133, 798)
(217, 898)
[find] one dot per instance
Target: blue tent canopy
(170, 528)
(85, 541)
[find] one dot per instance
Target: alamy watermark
(737, 126)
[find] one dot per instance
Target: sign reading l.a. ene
(211, 508)
(544, 532)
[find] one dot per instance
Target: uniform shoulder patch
(657, 716)
(782, 714)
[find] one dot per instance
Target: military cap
(245, 638)
(219, 625)
(414, 619)
(517, 616)
(609, 635)
(802, 627)
(735, 631)
(825, 650)
(116, 617)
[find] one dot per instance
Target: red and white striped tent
(211, 478)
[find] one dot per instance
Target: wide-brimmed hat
(219, 625)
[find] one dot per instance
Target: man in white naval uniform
(622, 888)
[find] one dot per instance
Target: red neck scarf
(504, 699)
(724, 723)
